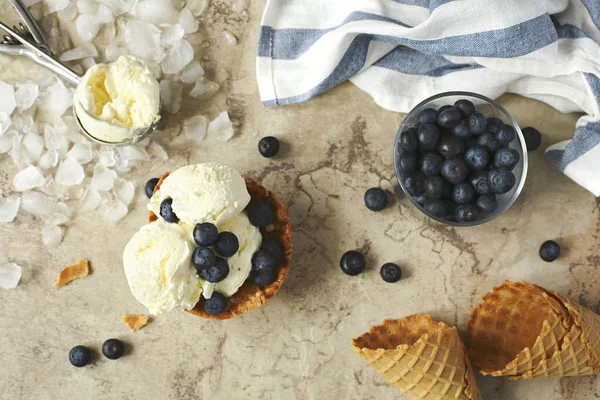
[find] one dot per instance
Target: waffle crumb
(135, 322)
(72, 272)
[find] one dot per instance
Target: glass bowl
(489, 108)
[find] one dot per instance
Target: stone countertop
(298, 346)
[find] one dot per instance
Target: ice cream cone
(422, 358)
(523, 331)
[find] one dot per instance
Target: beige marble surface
(297, 347)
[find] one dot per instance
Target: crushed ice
(10, 275)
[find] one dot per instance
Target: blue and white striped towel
(402, 51)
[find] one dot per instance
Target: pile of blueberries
(455, 161)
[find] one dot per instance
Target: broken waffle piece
(72, 272)
(135, 322)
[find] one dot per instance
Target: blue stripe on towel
(411, 62)
(586, 138)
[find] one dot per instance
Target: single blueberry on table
(477, 157)
(506, 158)
(268, 146)
(466, 213)
(451, 146)
(390, 272)
(150, 185)
(217, 272)
(352, 263)
(264, 279)
(216, 304)
(376, 199)
(477, 123)
(455, 170)
(489, 141)
(205, 234)
(408, 140)
(494, 124)
(436, 208)
(260, 214)
(449, 117)
(549, 251)
(428, 136)
(408, 162)
(487, 203)
(462, 130)
(273, 246)
(501, 180)
(227, 244)
(533, 139)
(203, 258)
(463, 193)
(479, 181)
(506, 134)
(263, 261)
(421, 199)
(415, 184)
(465, 107)
(428, 116)
(434, 187)
(431, 164)
(113, 349)
(166, 211)
(80, 356)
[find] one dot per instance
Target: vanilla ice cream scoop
(119, 101)
(207, 192)
(159, 270)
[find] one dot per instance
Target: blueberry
(465, 107)
(436, 208)
(428, 136)
(113, 349)
(487, 203)
(273, 246)
(462, 130)
(479, 181)
(216, 304)
(268, 146)
(472, 142)
(408, 140)
(466, 213)
(80, 356)
(390, 273)
(217, 272)
(455, 170)
(444, 108)
(421, 199)
(489, 141)
(203, 258)
(260, 214)
(428, 116)
(494, 124)
(263, 261)
(506, 158)
(549, 251)
(477, 157)
(150, 185)
(205, 234)
(227, 244)
(376, 199)
(434, 187)
(533, 139)
(262, 280)
(451, 146)
(408, 162)
(431, 164)
(415, 184)
(449, 117)
(477, 123)
(501, 180)
(463, 193)
(506, 134)
(166, 211)
(352, 263)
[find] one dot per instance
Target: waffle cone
(524, 331)
(422, 358)
(250, 296)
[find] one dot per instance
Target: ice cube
(113, 51)
(9, 206)
(89, 7)
(221, 128)
(114, 210)
(204, 88)
(240, 5)
(56, 219)
(143, 40)
(197, 7)
(107, 158)
(63, 208)
(37, 204)
(81, 152)
(128, 153)
(26, 95)
(16, 152)
(55, 140)
(87, 28)
(68, 14)
(49, 159)
(176, 97)
(69, 173)
(124, 191)
(103, 178)
(86, 50)
(195, 127)
(56, 98)
(166, 92)
(55, 189)
(10, 275)
(171, 35)
(4, 122)
(90, 201)
(88, 63)
(192, 72)
(29, 178)
(6, 141)
(34, 145)
(52, 235)
(156, 11)
(55, 5)
(24, 123)
(7, 98)
(119, 7)
(177, 57)
(187, 21)
(158, 154)
(230, 37)
(104, 15)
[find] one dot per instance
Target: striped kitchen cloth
(402, 51)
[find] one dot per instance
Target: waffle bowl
(250, 296)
